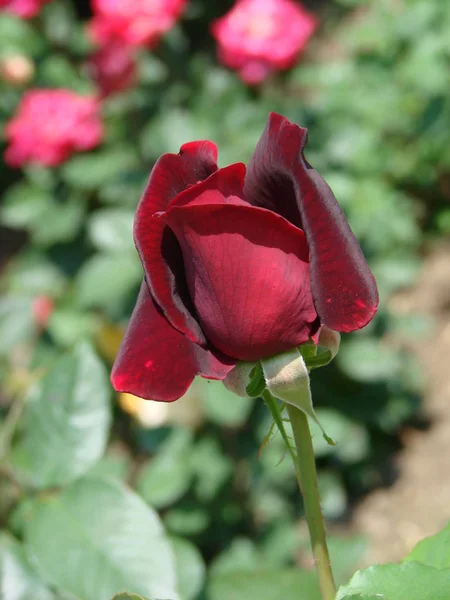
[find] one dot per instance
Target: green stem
(307, 475)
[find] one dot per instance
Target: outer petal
(156, 245)
(278, 177)
(172, 174)
(225, 182)
(161, 254)
(248, 273)
(156, 361)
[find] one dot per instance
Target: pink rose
(50, 125)
(133, 22)
(22, 8)
(113, 68)
(258, 37)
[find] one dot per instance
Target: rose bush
(257, 37)
(239, 265)
(50, 125)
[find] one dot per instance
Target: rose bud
(258, 37)
(16, 69)
(240, 265)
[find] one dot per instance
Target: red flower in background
(240, 264)
(258, 37)
(113, 68)
(50, 125)
(22, 8)
(133, 22)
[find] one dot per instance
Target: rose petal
(248, 274)
(157, 247)
(173, 173)
(222, 184)
(162, 258)
(157, 362)
(278, 177)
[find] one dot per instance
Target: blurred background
(90, 97)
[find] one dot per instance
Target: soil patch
(418, 504)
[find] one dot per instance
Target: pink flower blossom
(258, 37)
(113, 68)
(22, 8)
(134, 22)
(50, 125)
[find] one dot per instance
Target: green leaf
(58, 71)
(151, 69)
(99, 538)
(257, 383)
(107, 279)
(58, 20)
(242, 554)
(91, 171)
(366, 359)
(187, 520)
(352, 439)
(434, 550)
(23, 204)
(126, 596)
(276, 411)
(34, 274)
(117, 463)
(211, 467)
(18, 580)
(16, 35)
(346, 554)
(190, 568)
(332, 494)
(222, 406)
(67, 421)
(361, 597)
(167, 477)
(289, 584)
(406, 581)
(112, 229)
(16, 322)
(68, 326)
(48, 220)
(172, 128)
(60, 223)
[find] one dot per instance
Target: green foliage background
(373, 91)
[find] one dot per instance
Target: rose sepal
(287, 378)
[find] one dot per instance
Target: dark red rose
(239, 264)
